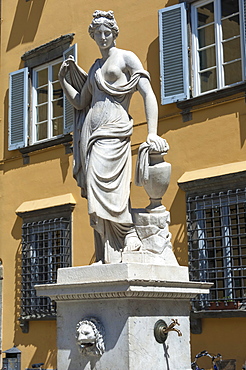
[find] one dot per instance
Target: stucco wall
(1, 306)
(215, 136)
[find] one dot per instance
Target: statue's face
(86, 336)
(103, 36)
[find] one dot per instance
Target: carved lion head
(90, 337)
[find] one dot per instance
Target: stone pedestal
(153, 231)
(128, 299)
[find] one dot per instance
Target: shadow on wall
(242, 126)
(153, 65)
(25, 23)
(178, 219)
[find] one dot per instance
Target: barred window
(217, 247)
(46, 246)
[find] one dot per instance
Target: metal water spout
(161, 330)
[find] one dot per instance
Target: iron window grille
(46, 246)
(217, 247)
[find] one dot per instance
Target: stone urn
(158, 181)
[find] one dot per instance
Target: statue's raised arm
(76, 90)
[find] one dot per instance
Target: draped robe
(102, 156)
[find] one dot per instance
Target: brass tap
(161, 330)
(172, 328)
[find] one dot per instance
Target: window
(38, 111)
(46, 246)
(217, 247)
(217, 44)
(217, 48)
(47, 102)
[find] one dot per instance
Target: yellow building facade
(206, 133)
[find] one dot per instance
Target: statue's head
(103, 18)
(90, 337)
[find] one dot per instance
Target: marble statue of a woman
(102, 133)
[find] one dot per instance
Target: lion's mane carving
(90, 337)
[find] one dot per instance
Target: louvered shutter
(68, 109)
(18, 108)
(173, 54)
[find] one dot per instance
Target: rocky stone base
(153, 231)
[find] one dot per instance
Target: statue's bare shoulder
(132, 62)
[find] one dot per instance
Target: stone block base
(128, 299)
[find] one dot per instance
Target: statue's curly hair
(105, 18)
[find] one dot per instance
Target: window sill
(203, 314)
(187, 105)
(66, 140)
(213, 179)
(197, 316)
(24, 321)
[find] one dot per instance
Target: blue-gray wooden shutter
(68, 109)
(18, 109)
(174, 66)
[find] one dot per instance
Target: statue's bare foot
(132, 242)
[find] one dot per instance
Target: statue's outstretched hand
(157, 143)
(65, 67)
